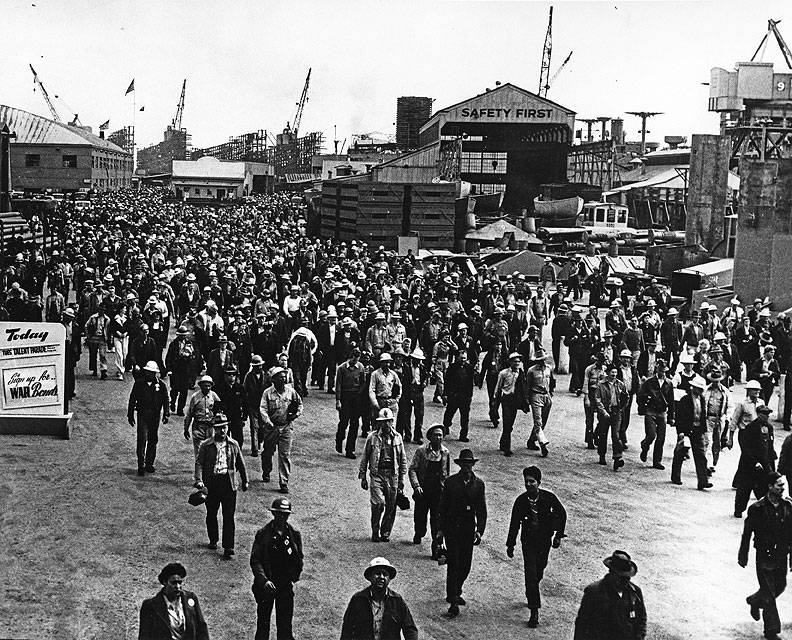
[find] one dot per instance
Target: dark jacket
(142, 352)
(657, 398)
(771, 531)
(463, 508)
(149, 400)
(264, 557)
(551, 519)
(459, 380)
(232, 401)
(207, 456)
(396, 619)
(605, 616)
(154, 623)
(684, 419)
(756, 447)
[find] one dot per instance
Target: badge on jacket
(190, 602)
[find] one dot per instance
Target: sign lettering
(513, 114)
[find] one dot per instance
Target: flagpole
(134, 116)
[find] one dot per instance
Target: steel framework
(594, 163)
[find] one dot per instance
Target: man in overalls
(430, 467)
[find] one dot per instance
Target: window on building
(32, 160)
(70, 162)
(480, 189)
(483, 162)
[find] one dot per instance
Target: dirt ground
(83, 537)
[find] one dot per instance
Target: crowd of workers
(262, 315)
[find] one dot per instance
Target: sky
(246, 61)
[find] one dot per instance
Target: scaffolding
(594, 163)
(295, 156)
(248, 147)
(124, 138)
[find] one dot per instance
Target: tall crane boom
(180, 108)
(40, 84)
(301, 105)
(558, 71)
(772, 27)
(547, 52)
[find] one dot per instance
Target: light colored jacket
(371, 456)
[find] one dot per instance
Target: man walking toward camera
(280, 406)
(463, 518)
(542, 518)
(277, 562)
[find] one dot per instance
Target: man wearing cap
(628, 374)
(254, 384)
(580, 343)
(459, 393)
(769, 523)
(327, 337)
(183, 363)
(610, 399)
(96, 339)
(385, 387)
(351, 395)
(511, 395)
(559, 330)
(757, 458)
(540, 518)
(149, 400)
(377, 335)
(173, 612)
(220, 359)
(414, 378)
(277, 562)
(612, 608)
(73, 351)
(377, 612)
(232, 403)
(280, 405)
(671, 337)
(655, 400)
(200, 413)
(690, 419)
(462, 520)
(221, 471)
(431, 465)
(385, 461)
(766, 371)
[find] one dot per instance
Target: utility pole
(589, 122)
(6, 135)
(644, 116)
(603, 120)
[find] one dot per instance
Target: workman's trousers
(300, 370)
(625, 420)
(589, 409)
(541, 403)
(178, 398)
(280, 438)
(459, 558)
(772, 575)
(492, 380)
(283, 600)
(348, 421)
(609, 424)
(577, 368)
(713, 438)
(745, 485)
(254, 429)
(220, 493)
(787, 398)
(655, 430)
(411, 404)
(426, 507)
(97, 348)
(535, 556)
(147, 438)
(509, 409)
(200, 432)
(556, 348)
(462, 404)
(383, 489)
(699, 451)
(237, 429)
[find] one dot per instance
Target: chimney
(101, 134)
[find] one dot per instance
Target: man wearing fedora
(413, 377)
(717, 400)
(540, 385)
(232, 403)
(350, 392)
(385, 461)
(277, 562)
(613, 608)
(757, 458)
(610, 399)
(463, 518)
(384, 387)
(542, 519)
(200, 413)
(221, 471)
(149, 400)
(174, 612)
(254, 384)
(769, 522)
(377, 612)
(183, 363)
(691, 422)
(431, 465)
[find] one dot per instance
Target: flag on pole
(104, 126)
(131, 87)
(143, 108)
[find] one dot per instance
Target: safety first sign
(32, 368)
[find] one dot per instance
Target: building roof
(669, 178)
(503, 88)
(497, 230)
(33, 129)
(209, 168)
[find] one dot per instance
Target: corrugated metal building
(48, 155)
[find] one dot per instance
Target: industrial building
(212, 179)
(412, 112)
(156, 159)
(52, 156)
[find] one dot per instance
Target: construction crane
(547, 52)
(300, 106)
(644, 116)
(47, 99)
(558, 71)
(177, 121)
(772, 27)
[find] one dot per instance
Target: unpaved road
(83, 537)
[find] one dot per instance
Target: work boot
(533, 621)
(376, 515)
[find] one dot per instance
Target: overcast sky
(246, 61)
